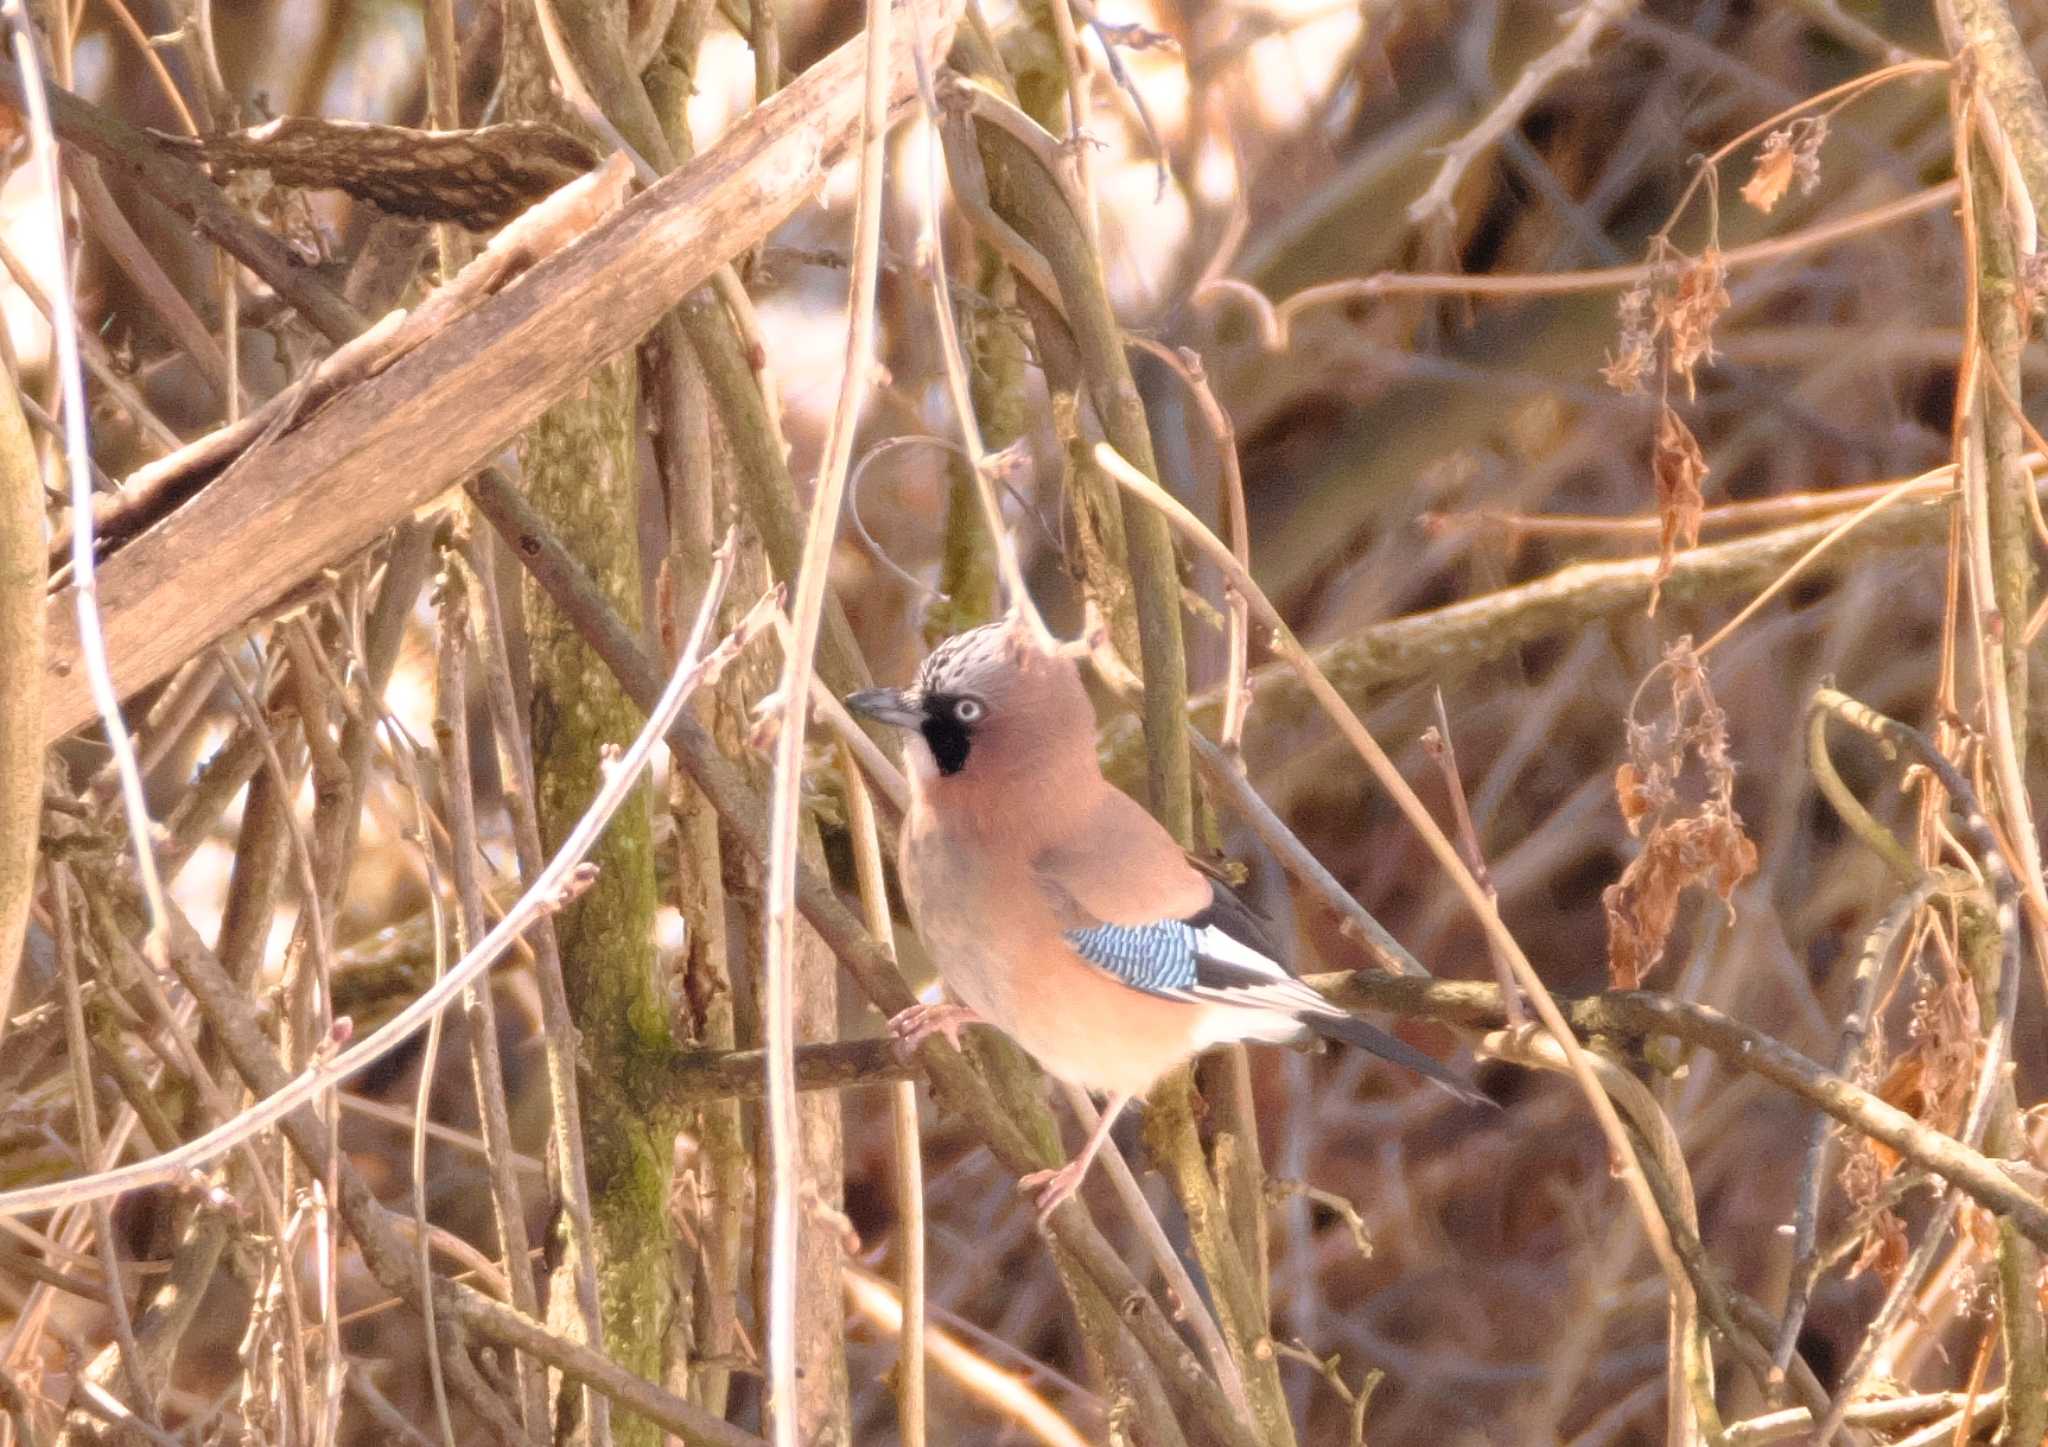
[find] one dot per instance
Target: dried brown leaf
(1631, 793)
(1635, 352)
(1903, 1088)
(1709, 848)
(1790, 156)
(1687, 312)
(1772, 178)
(1641, 907)
(1884, 1248)
(1678, 467)
(1686, 819)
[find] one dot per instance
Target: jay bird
(1061, 912)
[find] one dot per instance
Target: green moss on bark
(578, 463)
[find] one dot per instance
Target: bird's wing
(1223, 954)
(1197, 942)
(1131, 903)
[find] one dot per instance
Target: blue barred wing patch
(1159, 957)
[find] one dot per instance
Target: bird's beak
(887, 705)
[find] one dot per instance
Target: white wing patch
(1268, 986)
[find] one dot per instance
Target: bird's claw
(919, 1023)
(1053, 1187)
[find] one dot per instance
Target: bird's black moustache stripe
(947, 737)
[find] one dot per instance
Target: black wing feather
(1242, 921)
(1234, 916)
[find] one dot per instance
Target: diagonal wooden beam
(319, 493)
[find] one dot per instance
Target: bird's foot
(920, 1022)
(1053, 1187)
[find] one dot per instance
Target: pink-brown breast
(994, 929)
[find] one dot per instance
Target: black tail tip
(1353, 1031)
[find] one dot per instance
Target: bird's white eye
(969, 710)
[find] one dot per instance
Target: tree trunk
(580, 470)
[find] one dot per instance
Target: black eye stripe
(949, 742)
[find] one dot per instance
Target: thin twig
(909, 1160)
(558, 1028)
(1186, 364)
(1952, 1409)
(1275, 319)
(78, 463)
(423, 1095)
(1296, 858)
(1689, 1377)
(142, 1397)
(1799, 565)
(549, 889)
(1437, 744)
(1859, 820)
(777, 1004)
(1074, 61)
(1004, 1392)
(451, 730)
(931, 254)
(1192, 1307)
(155, 64)
(1592, 17)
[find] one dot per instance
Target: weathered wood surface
(319, 493)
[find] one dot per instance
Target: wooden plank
(318, 495)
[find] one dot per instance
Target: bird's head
(990, 704)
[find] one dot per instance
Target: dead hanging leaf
(479, 179)
(1885, 1237)
(1931, 1079)
(1635, 795)
(1636, 353)
(1867, 1169)
(1687, 312)
(1676, 794)
(1945, 1055)
(1642, 905)
(1790, 155)
(1677, 467)
(1903, 1088)
(1772, 178)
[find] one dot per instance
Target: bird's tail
(1353, 1031)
